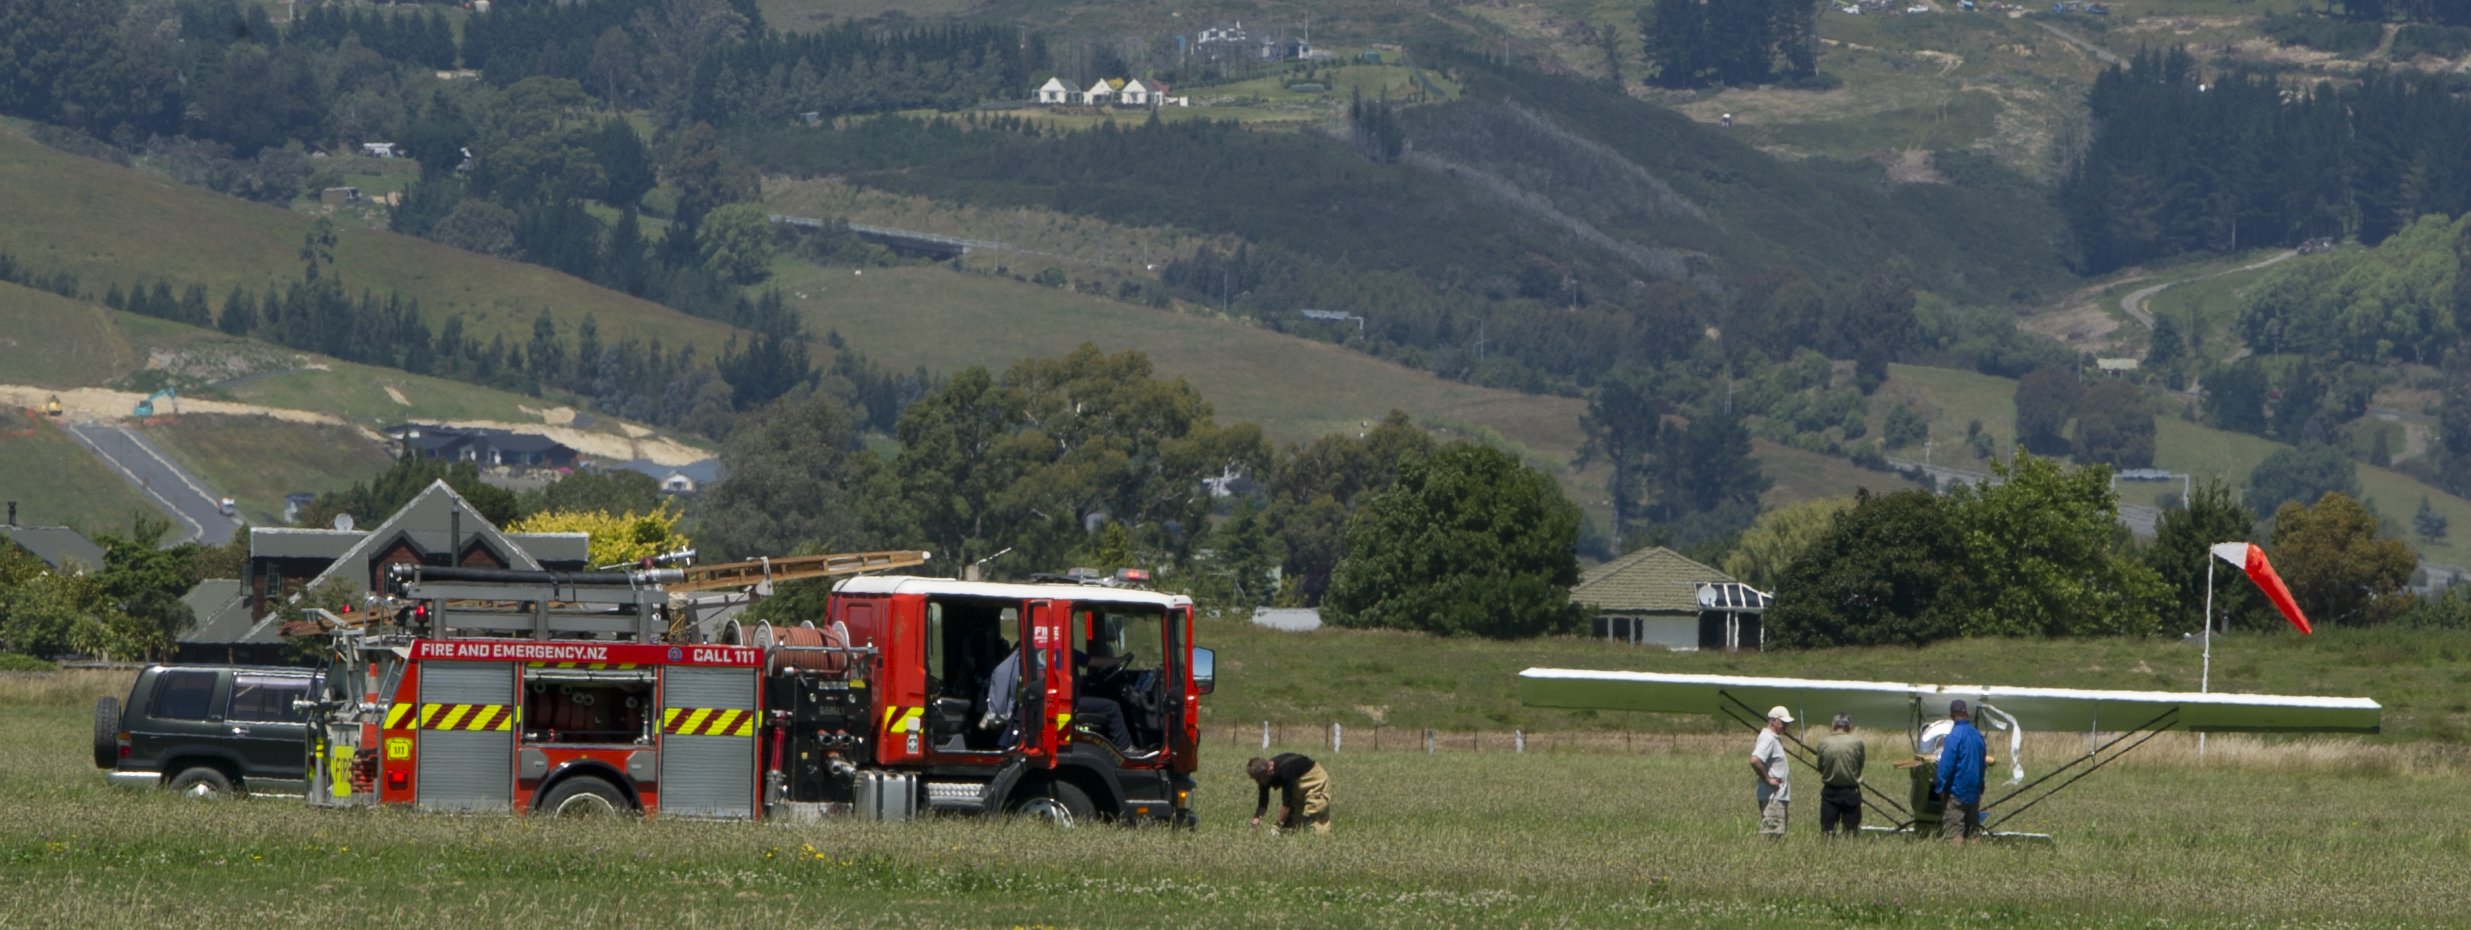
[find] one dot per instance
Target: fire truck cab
(1058, 700)
(500, 691)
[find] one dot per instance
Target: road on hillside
(197, 515)
(2104, 54)
(2135, 302)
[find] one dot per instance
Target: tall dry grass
(68, 687)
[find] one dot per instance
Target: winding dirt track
(2134, 303)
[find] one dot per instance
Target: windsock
(2251, 559)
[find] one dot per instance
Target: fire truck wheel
(202, 782)
(1060, 803)
(106, 732)
(585, 796)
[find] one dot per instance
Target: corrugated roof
(426, 521)
(222, 612)
(284, 542)
(555, 547)
(1651, 580)
(56, 544)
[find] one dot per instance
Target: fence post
(1337, 737)
(1428, 741)
(1265, 734)
(1518, 741)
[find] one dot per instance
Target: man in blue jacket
(1962, 757)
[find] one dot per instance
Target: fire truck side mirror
(1205, 669)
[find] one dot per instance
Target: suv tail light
(123, 738)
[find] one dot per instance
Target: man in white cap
(1768, 762)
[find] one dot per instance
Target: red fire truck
(570, 693)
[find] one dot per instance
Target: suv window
(267, 698)
(183, 695)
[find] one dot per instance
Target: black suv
(208, 730)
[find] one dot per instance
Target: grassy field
(259, 460)
(369, 395)
(110, 224)
(1657, 835)
(1407, 682)
(1951, 400)
(2214, 302)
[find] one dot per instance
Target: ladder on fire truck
(768, 571)
(728, 584)
(620, 605)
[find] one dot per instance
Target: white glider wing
(1888, 703)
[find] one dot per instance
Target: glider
(2129, 718)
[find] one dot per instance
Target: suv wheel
(585, 796)
(202, 782)
(106, 732)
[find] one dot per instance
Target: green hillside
(1949, 399)
(52, 341)
(57, 482)
(258, 460)
(110, 225)
(1296, 388)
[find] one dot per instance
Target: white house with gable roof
(1055, 92)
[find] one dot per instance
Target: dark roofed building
(1659, 597)
(60, 547)
(437, 528)
(488, 448)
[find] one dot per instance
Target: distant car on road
(212, 731)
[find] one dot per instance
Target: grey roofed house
(438, 527)
(1654, 597)
(60, 547)
(224, 631)
(485, 447)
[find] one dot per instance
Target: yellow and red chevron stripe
(707, 721)
(399, 716)
(466, 717)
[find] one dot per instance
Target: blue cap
(1957, 708)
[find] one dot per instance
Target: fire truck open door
(708, 742)
(1047, 701)
(1181, 719)
(467, 736)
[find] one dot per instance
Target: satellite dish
(343, 521)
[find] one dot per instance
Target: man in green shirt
(1840, 768)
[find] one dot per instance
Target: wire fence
(1340, 738)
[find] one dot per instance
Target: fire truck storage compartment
(886, 795)
(586, 706)
(462, 768)
(708, 742)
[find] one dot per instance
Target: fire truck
(594, 692)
